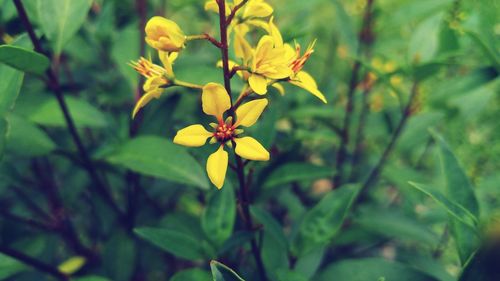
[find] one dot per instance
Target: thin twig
(364, 37)
(35, 263)
(53, 84)
(234, 11)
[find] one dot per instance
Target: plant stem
(374, 174)
(37, 264)
(240, 169)
(364, 36)
(53, 84)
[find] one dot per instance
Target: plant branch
(234, 11)
(35, 263)
(374, 174)
(364, 38)
(240, 168)
(53, 84)
(205, 36)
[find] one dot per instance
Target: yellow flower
(252, 9)
(269, 62)
(216, 102)
(300, 78)
(164, 35)
(157, 78)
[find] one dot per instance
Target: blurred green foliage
(441, 226)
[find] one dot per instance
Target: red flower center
(224, 133)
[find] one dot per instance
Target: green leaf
(293, 172)
(177, 243)
(218, 218)
(84, 114)
(61, 19)
(483, 266)
(323, 221)
(10, 84)
(460, 190)
(425, 40)
(371, 269)
(9, 267)
(194, 274)
(221, 272)
(24, 59)
(92, 278)
(159, 157)
(287, 275)
(26, 139)
(456, 210)
(3, 135)
(271, 226)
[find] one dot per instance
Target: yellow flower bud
(164, 35)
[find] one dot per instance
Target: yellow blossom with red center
(226, 132)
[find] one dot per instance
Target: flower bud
(164, 35)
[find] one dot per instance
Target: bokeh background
(442, 55)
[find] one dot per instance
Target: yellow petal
(211, 5)
(248, 113)
(275, 33)
(306, 82)
(193, 136)
(258, 83)
(257, 9)
(215, 100)
(145, 99)
(249, 148)
(217, 167)
(242, 48)
(279, 87)
(72, 265)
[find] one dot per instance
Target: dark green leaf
(191, 275)
(177, 243)
(23, 59)
(10, 84)
(61, 19)
(9, 267)
(84, 114)
(92, 278)
(221, 272)
(293, 172)
(159, 157)
(219, 215)
(323, 221)
(25, 138)
(371, 269)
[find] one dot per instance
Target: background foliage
(411, 194)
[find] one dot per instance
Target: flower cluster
(270, 62)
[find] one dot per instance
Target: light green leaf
(61, 19)
(460, 190)
(159, 157)
(177, 243)
(194, 274)
(24, 59)
(9, 266)
(218, 218)
(221, 272)
(25, 138)
(10, 84)
(371, 269)
(323, 221)
(424, 43)
(456, 210)
(84, 114)
(293, 172)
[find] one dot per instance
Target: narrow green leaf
(371, 269)
(218, 218)
(24, 59)
(194, 274)
(460, 190)
(84, 114)
(159, 157)
(177, 243)
(25, 138)
(3, 136)
(221, 272)
(456, 210)
(61, 19)
(323, 221)
(293, 172)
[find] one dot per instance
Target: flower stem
(244, 199)
(187, 85)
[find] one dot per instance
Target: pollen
(224, 132)
(146, 68)
(301, 60)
